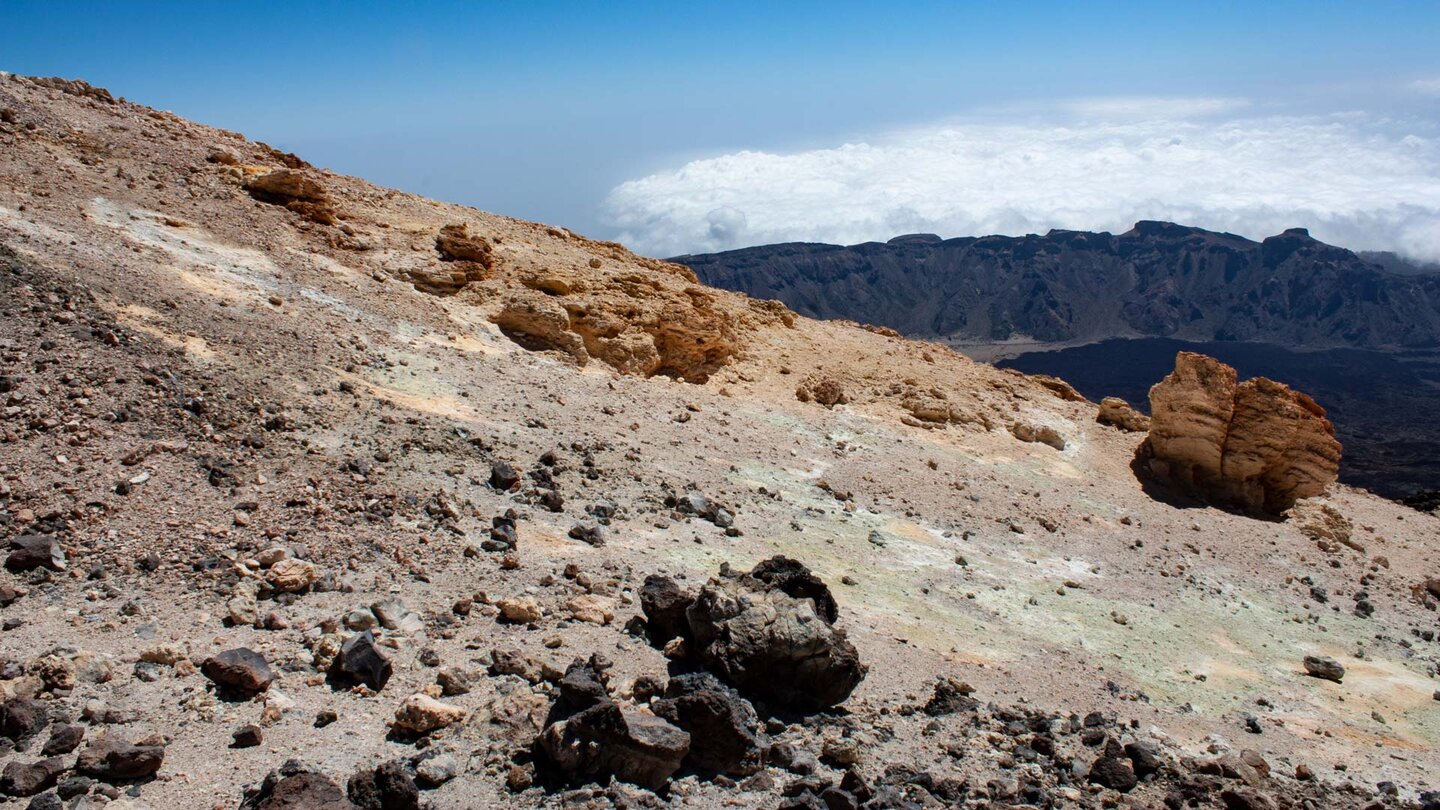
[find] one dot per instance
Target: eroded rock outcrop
(821, 389)
(1258, 444)
(633, 323)
(464, 258)
(297, 190)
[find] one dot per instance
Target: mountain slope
(226, 372)
(1158, 279)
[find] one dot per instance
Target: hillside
(1157, 280)
(253, 405)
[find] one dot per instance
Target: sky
(691, 127)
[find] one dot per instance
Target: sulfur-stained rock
(1257, 445)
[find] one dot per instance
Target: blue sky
(645, 120)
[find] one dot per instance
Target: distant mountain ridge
(1159, 279)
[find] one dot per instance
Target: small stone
(325, 717)
(421, 714)
(1329, 669)
(360, 661)
(291, 575)
(247, 736)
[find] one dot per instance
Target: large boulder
(724, 729)
(294, 787)
(664, 602)
(1256, 445)
(772, 644)
(609, 740)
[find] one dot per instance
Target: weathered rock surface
(1257, 445)
(608, 740)
(296, 788)
(771, 645)
(360, 661)
(1117, 413)
(32, 551)
(725, 735)
(111, 759)
(821, 389)
(422, 714)
(241, 670)
(297, 190)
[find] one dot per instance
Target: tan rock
(1117, 413)
(1043, 434)
(422, 714)
(297, 190)
(520, 609)
(591, 608)
(821, 389)
(291, 575)
(1258, 444)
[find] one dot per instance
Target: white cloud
(1354, 180)
(1427, 87)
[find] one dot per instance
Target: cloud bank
(1360, 181)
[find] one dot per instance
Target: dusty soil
(193, 376)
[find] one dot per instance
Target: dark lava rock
(29, 778)
(240, 672)
(360, 661)
(1144, 756)
(63, 740)
(21, 717)
(387, 787)
(664, 603)
(795, 579)
(1317, 666)
(951, 696)
(503, 476)
(502, 532)
(295, 788)
(1113, 772)
(110, 759)
(607, 740)
(247, 736)
(32, 551)
(580, 688)
(772, 646)
(46, 801)
(724, 729)
(1245, 799)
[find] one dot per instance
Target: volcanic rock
(241, 670)
(1323, 667)
(771, 645)
(1117, 413)
(664, 603)
(1257, 445)
(295, 189)
(388, 786)
(111, 759)
(725, 734)
(28, 778)
(31, 551)
(608, 740)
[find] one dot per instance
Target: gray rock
(240, 671)
(31, 551)
(1318, 666)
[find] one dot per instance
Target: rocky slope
(1158, 279)
(320, 494)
